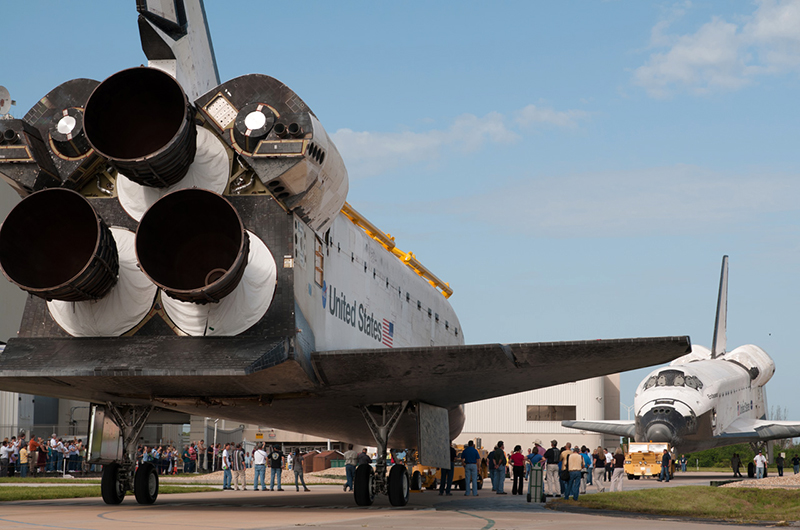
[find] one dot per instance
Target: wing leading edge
(763, 430)
(615, 428)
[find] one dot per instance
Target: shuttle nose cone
(659, 432)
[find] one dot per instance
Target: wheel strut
(119, 476)
(397, 485)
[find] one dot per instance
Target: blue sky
(575, 170)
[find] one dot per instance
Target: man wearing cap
(761, 465)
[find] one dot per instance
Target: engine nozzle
(55, 246)
(192, 244)
(141, 121)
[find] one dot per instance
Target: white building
(519, 419)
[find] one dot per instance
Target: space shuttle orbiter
(187, 246)
(705, 399)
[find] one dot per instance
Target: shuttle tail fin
(719, 342)
(176, 39)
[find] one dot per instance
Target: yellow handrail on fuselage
(388, 243)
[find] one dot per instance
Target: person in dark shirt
(363, 458)
(500, 461)
(447, 474)
(796, 464)
(297, 467)
(470, 456)
(779, 461)
(275, 468)
(666, 458)
(552, 456)
(736, 463)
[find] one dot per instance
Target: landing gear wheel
(398, 486)
(480, 483)
(416, 481)
(364, 485)
(110, 485)
(145, 484)
(751, 470)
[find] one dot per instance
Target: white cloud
(723, 55)
(654, 201)
(368, 154)
(532, 114)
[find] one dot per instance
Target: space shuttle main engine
(200, 197)
(55, 246)
(192, 244)
(141, 122)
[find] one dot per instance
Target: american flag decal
(388, 332)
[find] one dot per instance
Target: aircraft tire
(398, 485)
(363, 486)
(480, 483)
(751, 470)
(145, 484)
(416, 481)
(110, 485)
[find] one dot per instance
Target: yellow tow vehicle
(430, 477)
(644, 460)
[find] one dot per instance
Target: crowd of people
(28, 457)
(567, 471)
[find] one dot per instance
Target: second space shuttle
(704, 399)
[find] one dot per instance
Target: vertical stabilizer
(720, 332)
(176, 39)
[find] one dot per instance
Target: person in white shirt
(227, 474)
(51, 454)
(260, 471)
(5, 454)
(761, 465)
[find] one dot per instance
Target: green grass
(65, 492)
(733, 504)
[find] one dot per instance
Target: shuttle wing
(616, 428)
(762, 429)
(253, 380)
(451, 375)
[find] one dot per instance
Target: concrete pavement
(324, 507)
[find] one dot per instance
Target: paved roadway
(325, 507)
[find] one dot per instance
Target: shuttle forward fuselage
(696, 399)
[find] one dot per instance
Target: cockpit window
(673, 378)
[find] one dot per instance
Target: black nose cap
(659, 432)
